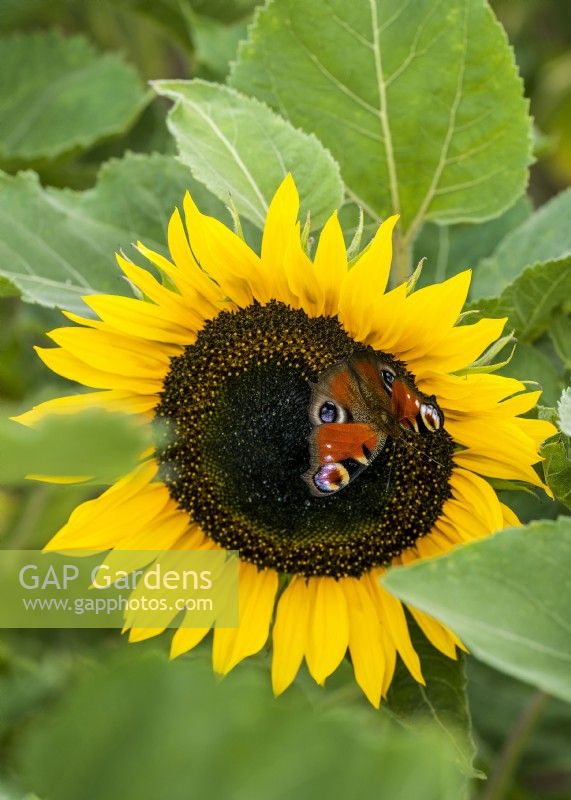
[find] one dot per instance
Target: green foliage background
(93, 157)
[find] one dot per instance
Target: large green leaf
(92, 444)
(530, 301)
(241, 150)
(544, 236)
(508, 598)
(58, 95)
(57, 245)
(420, 102)
(442, 699)
(204, 739)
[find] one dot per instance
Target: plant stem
(513, 748)
(402, 258)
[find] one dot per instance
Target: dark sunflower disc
(233, 446)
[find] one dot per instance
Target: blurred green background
(85, 715)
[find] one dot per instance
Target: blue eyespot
(328, 412)
(388, 378)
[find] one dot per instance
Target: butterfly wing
(340, 452)
(406, 404)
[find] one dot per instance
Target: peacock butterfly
(355, 406)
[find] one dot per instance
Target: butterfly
(355, 406)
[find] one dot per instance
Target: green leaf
(530, 506)
(95, 444)
(59, 96)
(531, 364)
(175, 14)
(507, 597)
(560, 334)
(449, 249)
(224, 10)
(57, 245)
(240, 149)
(216, 45)
(545, 236)
(207, 739)
(531, 300)
(27, 686)
(421, 103)
(557, 468)
(443, 699)
(7, 289)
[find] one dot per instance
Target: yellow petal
(257, 596)
(463, 345)
(390, 654)
(101, 523)
(224, 256)
(191, 281)
(476, 494)
(395, 621)
(510, 519)
(197, 281)
(61, 479)
(436, 633)
(72, 368)
(186, 639)
(289, 634)
(110, 400)
(367, 654)
(305, 291)
(330, 265)
(366, 281)
(109, 352)
(179, 306)
(538, 430)
(469, 393)
(494, 467)
(427, 318)
(280, 226)
(328, 630)
(140, 318)
(141, 634)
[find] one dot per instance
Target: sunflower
(223, 352)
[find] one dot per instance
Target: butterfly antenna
(390, 467)
(417, 450)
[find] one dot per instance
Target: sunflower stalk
(402, 257)
(513, 748)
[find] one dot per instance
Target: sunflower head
(323, 426)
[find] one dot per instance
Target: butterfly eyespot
(388, 378)
(431, 417)
(331, 412)
(330, 478)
